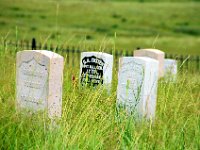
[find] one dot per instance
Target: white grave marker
(170, 69)
(155, 54)
(39, 76)
(96, 68)
(137, 85)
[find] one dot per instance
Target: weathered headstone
(39, 76)
(96, 68)
(137, 86)
(155, 54)
(170, 69)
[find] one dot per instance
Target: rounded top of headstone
(96, 53)
(144, 59)
(47, 53)
(147, 59)
(170, 60)
(152, 50)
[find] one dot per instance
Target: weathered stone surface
(155, 54)
(137, 85)
(170, 69)
(39, 76)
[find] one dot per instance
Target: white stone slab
(39, 76)
(155, 54)
(137, 85)
(170, 69)
(96, 68)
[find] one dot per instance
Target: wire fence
(72, 54)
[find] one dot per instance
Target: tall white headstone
(39, 76)
(155, 54)
(137, 86)
(170, 69)
(96, 68)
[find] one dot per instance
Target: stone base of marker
(39, 77)
(170, 70)
(155, 54)
(96, 69)
(137, 86)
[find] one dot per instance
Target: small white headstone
(39, 76)
(155, 54)
(170, 69)
(137, 85)
(96, 68)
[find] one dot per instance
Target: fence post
(4, 45)
(197, 63)
(33, 46)
(45, 46)
(170, 56)
(79, 55)
(27, 44)
(127, 54)
(181, 62)
(110, 51)
(116, 59)
(40, 45)
(51, 47)
(120, 54)
(73, 50)
(61, 49)
(21, 44)
(186, 63)
(16, 46)
(67, 50)
(166, 55)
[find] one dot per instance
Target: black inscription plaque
(92, 71)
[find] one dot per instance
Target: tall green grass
(89, 119)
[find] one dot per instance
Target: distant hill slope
(145, 0)
(172, 27)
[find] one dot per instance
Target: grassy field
(90, 121)
(171, 27)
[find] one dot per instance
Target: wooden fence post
(51, 47)
(116, 59)
(67, 50)
(171, 56)
(197, 61)
(166, 55)
(27, 44)
(16, 46)
(79, 55)
(33, 46)
(187, 62)
(40, 46)
(127, 54)
(73, 51)
(110, 52)
(181, 62)
(21, 44)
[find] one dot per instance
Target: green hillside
(172, 27)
